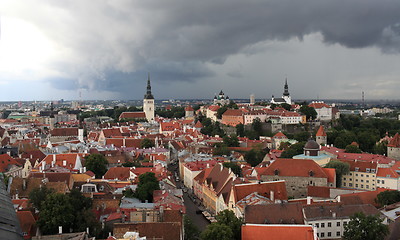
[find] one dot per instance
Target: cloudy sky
(103, 49)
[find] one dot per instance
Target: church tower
(286, 95)
(148, 103)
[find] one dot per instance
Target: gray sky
(193, 49)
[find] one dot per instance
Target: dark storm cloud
(113, 44)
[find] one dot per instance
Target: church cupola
(286, 89)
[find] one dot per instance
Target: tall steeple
(148, 94)
(286, 89)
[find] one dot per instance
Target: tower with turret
(148, 102)
(321, 136)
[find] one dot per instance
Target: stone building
(321, 137)
(393, 147)
(298, 174)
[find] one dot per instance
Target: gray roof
(135, 203)
(9, 224)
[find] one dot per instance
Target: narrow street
(198, 219)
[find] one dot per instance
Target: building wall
(212, 115)
(209, 199)
(360, 180)
(321, 140)
(325, 226)
(297, 186)
(394, 152)
(232, 120)
(291, 120)
(188, 177)
(248, 119)
(148, 108)
(388, 183)
(324, 114)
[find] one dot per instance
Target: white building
(148, 103)
(324, 111)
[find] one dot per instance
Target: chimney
(24, 184)
(59, 229)
(84, 169)
(271, 196)
(54, 157)
(338, 198)
(309, 200)
(333, 214)
(87, 230)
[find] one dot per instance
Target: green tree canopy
(293, 150)
(96, 163)
(217, 231)
(231, 141)
(38, 195)
(147, 184)
(388, 197)
(310, 112)
(341, 168)
(240, 130)
(228, 218)
(146, 143)
(234, 167)
(362, 227)
(255, 156)
(352, 149)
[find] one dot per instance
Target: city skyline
(104, 50)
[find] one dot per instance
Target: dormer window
(276, 172)
(368, 170)
(311, 173)
(356, 169)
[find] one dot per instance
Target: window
(362, 175)
(344, 184)
(338, 234)
(367, 186)
(356, 185)
(317, 225)
(368, 170)
(357, 170)
(317, 234)
(378, 181)
(344, 223)
(329, 234)
(322, 235)
(351, 179)
(362, 185)
(383, 181)
(367, 181)
(356, 174)
(338, 224)
(329, 224)
(356, 180)
(350, 184)
(344, 178)
(362, 180)
(322, 225)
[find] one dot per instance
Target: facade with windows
(330, 220)
(362, 175)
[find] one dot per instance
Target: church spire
(286, 89)
(148, 94)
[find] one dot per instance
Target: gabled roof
(111, 132)
(321, 132)
(279, 135)
(214, 108)
(395, 142)
(279, 213)
(120, 173)
(314, 212)
(132, 115)
(295, 168)
(262, 188)
(388, 173)
(233, 112)
(198, 125)
(361, 165)
(319, 105)
(26, 221)
(367, 197)
(6, 161)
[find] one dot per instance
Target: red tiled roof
(198, 125)
(318, 191)
(279, 135)
(120, 173)
(319, 105)
(262, 188)
(132, 115)
(26, 220)
(367, 197)
(233, 112)
(189, 108)
(321, 132)
(277, 232)
(361, 165)
(112, 132)
(214, 108)
(5, 161)
(331, 173)
(395, 142)
(170, 126)
(387, 172)
(295, 167)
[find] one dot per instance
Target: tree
(146, 143)
(231, 141)
(56, 210)
(240, 130)
(380, 148)
(220, 150)
(221, 111)
(362, 227)
(293, 150)
(352, 149)
(257, 126)
(147, 184)
(388, 197)
(234, 167)
(96, 163)
(38, 195)
(341, 168)
(302, 136)
(228, 218)
(191, 230)
(310, 112)
(286, 106)
(217, 231)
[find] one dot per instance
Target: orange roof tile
(395, 142)
(277, 232)
(321, 132)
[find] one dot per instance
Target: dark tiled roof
(280, 213)
(9, 224)
(312, 212)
